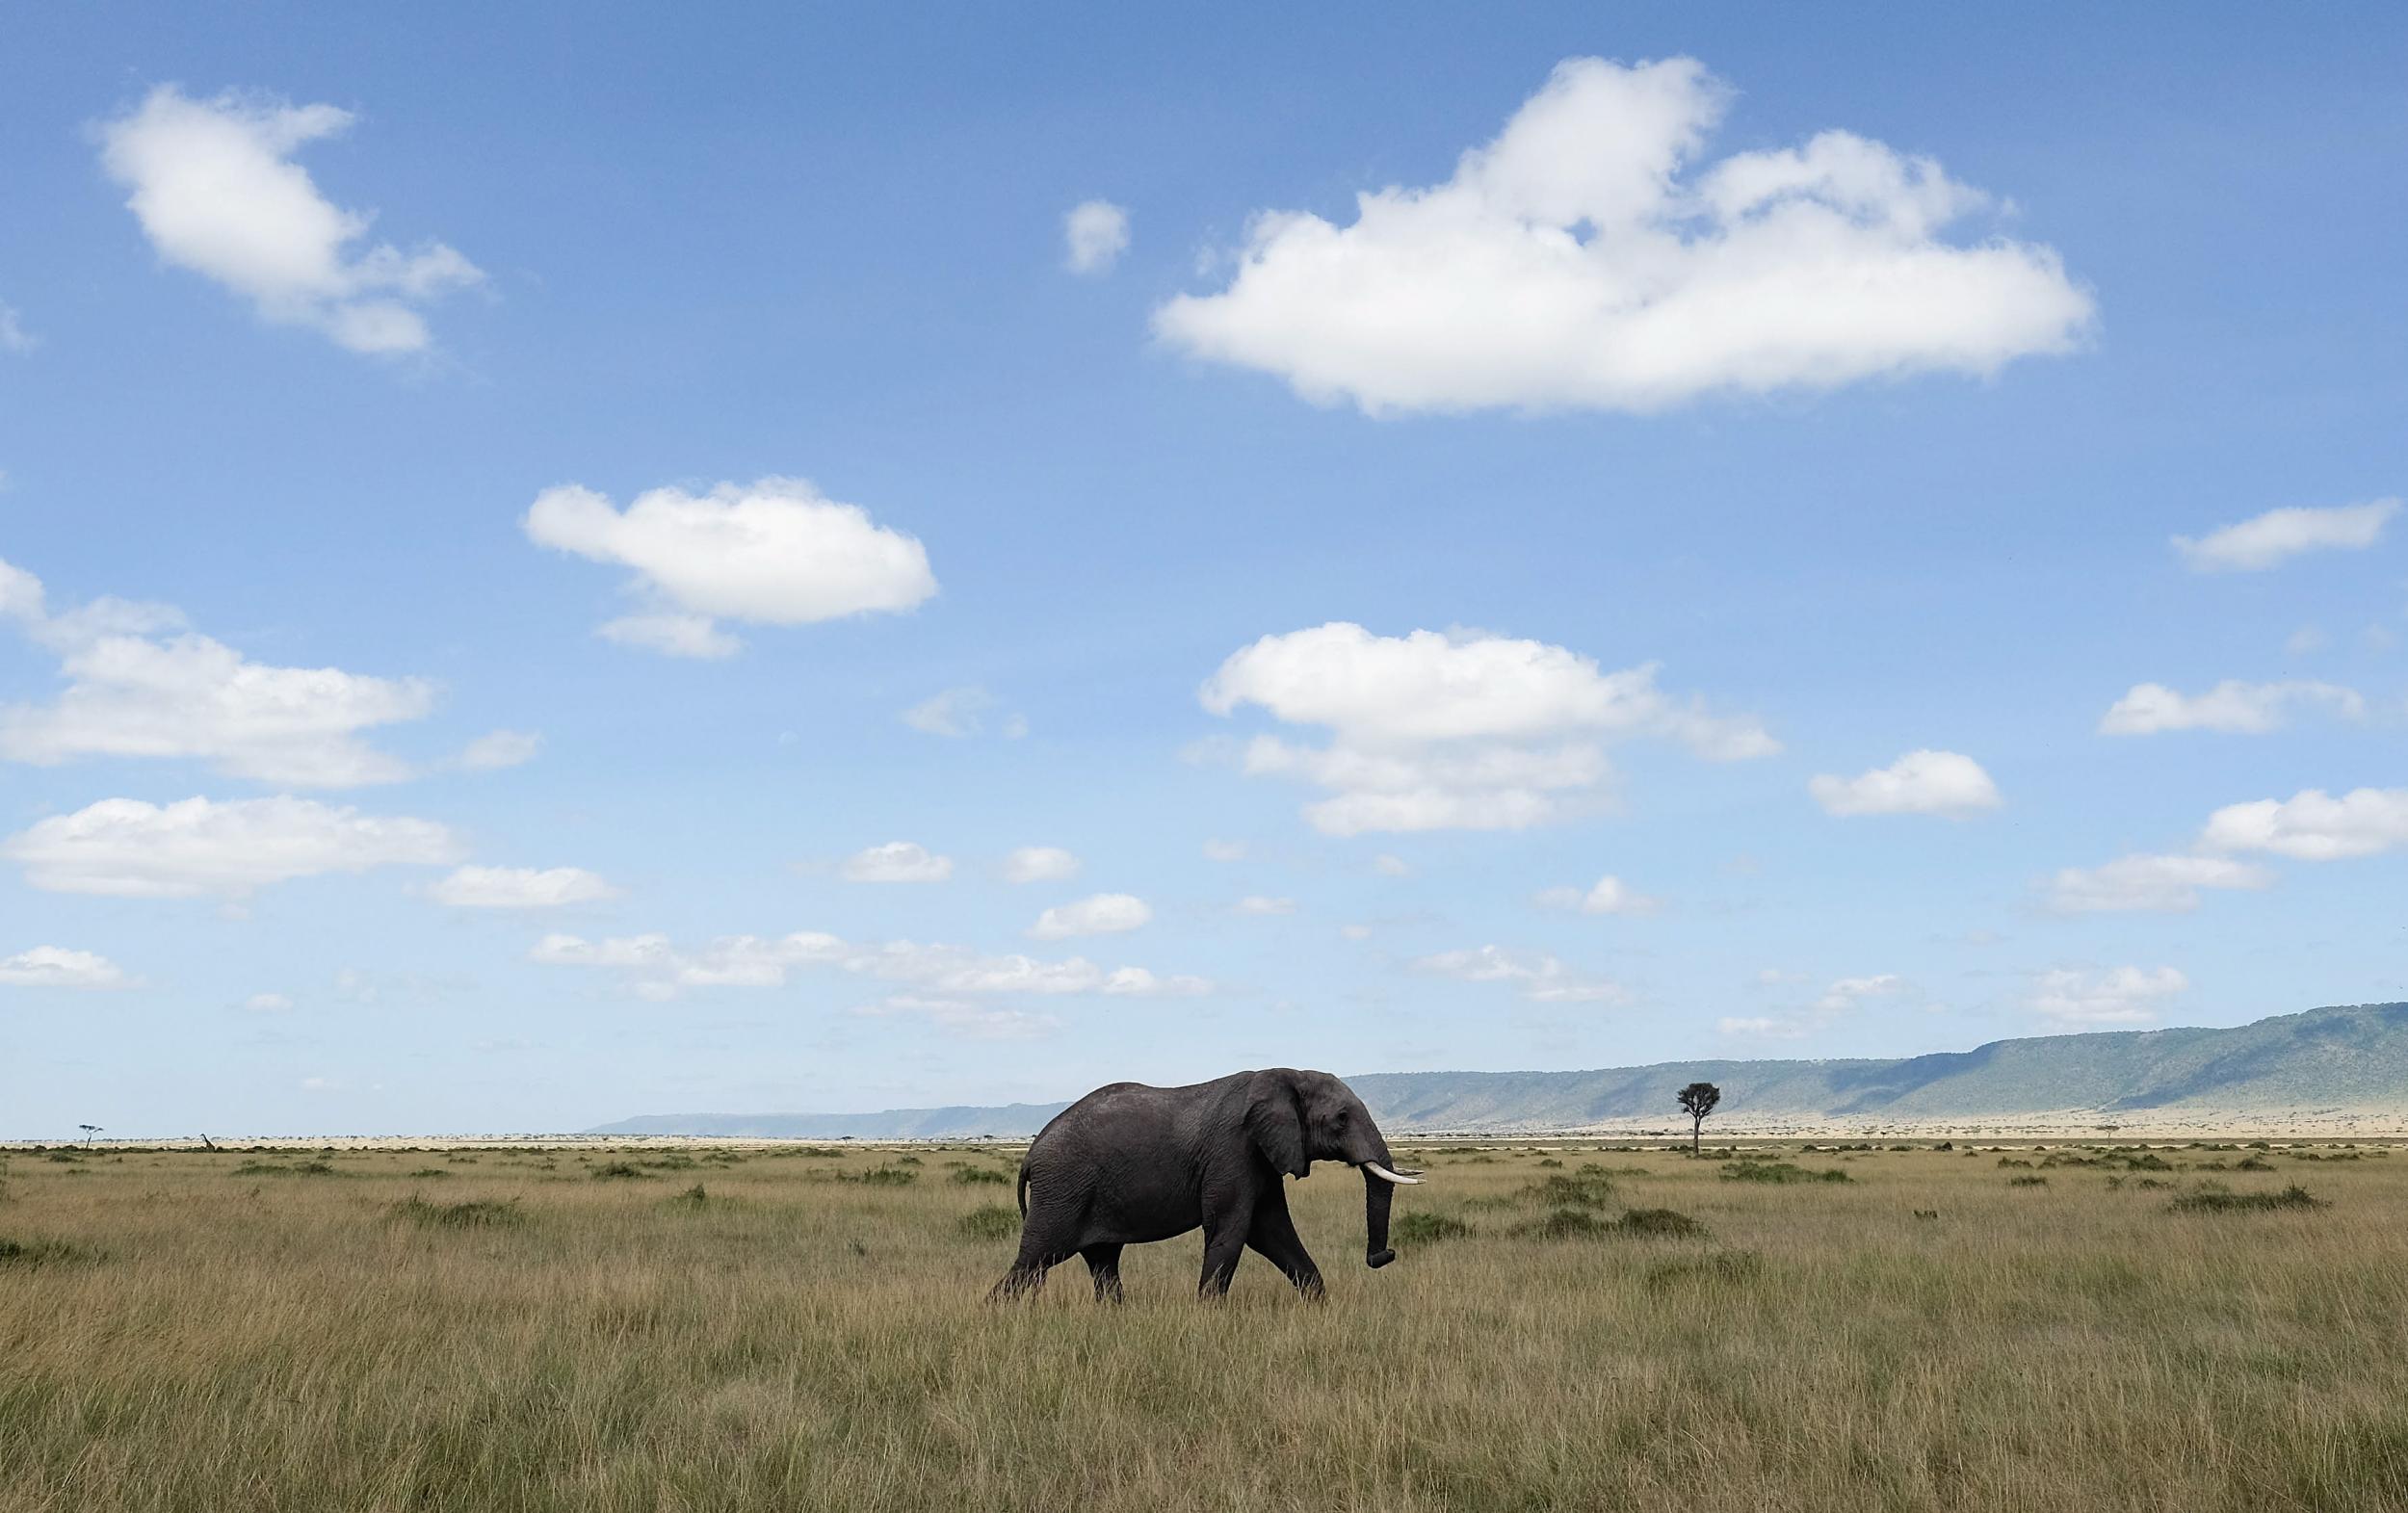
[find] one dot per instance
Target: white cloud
(663, 968)
(1834, 1003)
(960, 712)
(138, 685)
(1541, 978)
(1571, 263)
(1610, 896)
(1094, 235)
(520, 888)
(771, 552)
(1258, 905)
(968, 1020)
(897, 861)
(14, 337)
(2121, 996)
(693, 636)
(1104, 914)
(267, 1003)
(2272, 539)
(1918, 782)
(1388, 866)
(2305, 640)
(1458, 731)
(2313, 826)
(501, 748)
(2231, 706)
(2160, 884)
(128, 848)
(1040, 864)
(1224, 851)
(57, 967)
(217, 191)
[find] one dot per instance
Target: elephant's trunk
(1377, 1193)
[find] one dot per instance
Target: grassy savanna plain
(2069, 1326)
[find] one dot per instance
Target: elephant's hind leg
(1222, 1248)
(1039, 1253)
(1104, 1263)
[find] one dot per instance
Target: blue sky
(1857, 373)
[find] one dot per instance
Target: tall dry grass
(202, 1332)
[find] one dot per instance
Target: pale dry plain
(582, 1328)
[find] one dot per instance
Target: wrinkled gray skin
(1129, 1164)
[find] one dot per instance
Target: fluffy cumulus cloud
(897, 861)
(2275, 537)
(1461, 730)
(2145, 883)
(1944, 783)
(128, 848)
(660, 968)
(2120, 995)
(501, 748)
(57, 967)
(215, 186)
(137, 684)
(1587, 259)
(520, 888)
(771, 552)
(2313, 826)
(2249, 708)
(1834, 1003)
(957, 713)
(1539, 977)
(1094, 235)
(1104, 914)
(1609, 895)
(1040, 864)
(1259, 906)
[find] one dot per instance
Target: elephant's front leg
(1274, 1236)
(1224, 1242)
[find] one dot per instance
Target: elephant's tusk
(1385, 1175)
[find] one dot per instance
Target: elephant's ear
(1274, 1117)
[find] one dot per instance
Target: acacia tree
(1698, 1100)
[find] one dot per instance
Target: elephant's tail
(1020, 1190)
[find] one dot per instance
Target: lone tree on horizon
(90, 1130)
(1698, 1100)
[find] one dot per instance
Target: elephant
(1129, 1164)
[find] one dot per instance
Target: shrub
(2217, 1201)
(994, 1221)
(435, 1172)
(1549, 1162)
(308, 1168)
(1667, 1222)
(1778, 1172)
(692, 1197)
(881, 1177)
(1586, 1191)
(474, 1213)
(618, 1170)
(1926, 1214)
(1423, 1229)
(2027, 1182)
(1564, 1224)
(973, 1176)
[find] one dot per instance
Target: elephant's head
(1296, 1118)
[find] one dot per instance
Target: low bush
(881, 1177)
(1664, 1222)
(617, 1171)
(2217, 1201)
(1778, 1172)
(975, 1176)
(1715, 1269)
(1423, 1229)
(991, 1222)
(1584, 1190)
(43, 1253)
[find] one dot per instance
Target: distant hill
(2353, 1057)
